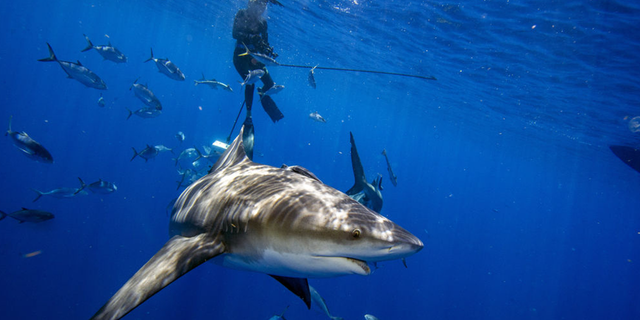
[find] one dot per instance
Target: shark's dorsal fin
(299, 286)
(233, 155)
(177, 257)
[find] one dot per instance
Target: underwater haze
(503, 163)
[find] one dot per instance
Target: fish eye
(356, 233)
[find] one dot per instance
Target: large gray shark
(283, 222)
(369, 194)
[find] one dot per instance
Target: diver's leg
(266, 80)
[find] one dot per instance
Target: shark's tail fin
(135, 153)
(51, 57)
(89, 44)
(39, 195)
(150, 58)
(82, 186)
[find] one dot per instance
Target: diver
(250, 31)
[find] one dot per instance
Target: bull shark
(283, 222)
(364, 192)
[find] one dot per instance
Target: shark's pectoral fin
(299, 286)
(177, 257)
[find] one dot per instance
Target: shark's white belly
(292, 264)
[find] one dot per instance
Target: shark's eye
(355, 233)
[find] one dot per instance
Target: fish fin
(246, 52)
(151, 58)
(203, 78)
(89, 44)
(39, 195)
(195, 82)
(3, 215)
(79, 63)
(358, 170)
(134, 82)
(135, 153)
(52, 56)
(299, 286)
(130, 113)
(177, 257)
(628, 155)
(384, 152)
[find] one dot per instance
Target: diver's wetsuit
(252, 33)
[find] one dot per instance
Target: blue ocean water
(503, 164)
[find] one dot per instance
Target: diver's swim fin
(271, 109)
(628, 155)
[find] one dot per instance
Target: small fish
(213, 84)
(162, 148)
(146, 112)
(253, 77)
(100, 186)
(317, 117)
(26, 215)
(61, 193)
(392, 176)
(188, 154)
(146, 153)
(77, 71)
(319, 301)
(180, 136)
(370, 317)
(145, 95)
(31, 148)
(279, 316)
(312, 79)
(167, 68)
(276, 88)
(262, 58)
(108, 52)
(101, 102)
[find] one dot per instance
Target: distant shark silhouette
(628, 155)
(283, 222)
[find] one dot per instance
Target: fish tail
(130, 114)
(150, 58)
(3, 215)
(51, 57)
(384, 152)
(39, 195)
(135, 153)
(246, 53)
(199, 154)
(82, 186)
(89, 44)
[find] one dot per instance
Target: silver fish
(279, 316)
(147, 153)
(262, 58)
(31, 148)
(317, 299)
(163, 148)
(101, 102)
(276, 88)
(370, 317)
(146, 112)
(27, 215)
(100, 186)
(213, 84)
(180, 136)
(317, 117)
(252, 77)
(108, 52)
(77, 71)
(145, 95)
(167, 68)
(61, 193)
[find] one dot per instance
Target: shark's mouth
(362, 264)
